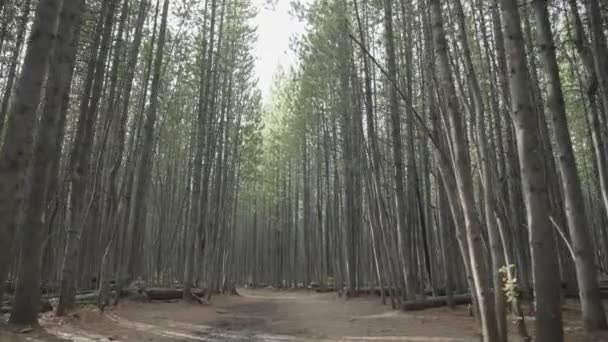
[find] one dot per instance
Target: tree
(16, 150)
(397, 149)
(525, 119)
(27, 297)
(138, 214)
(462, 170)
(593, 311)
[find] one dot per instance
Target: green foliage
(510, 287)
(302, 100)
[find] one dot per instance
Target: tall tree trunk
(598, 48)
(351, 224)
(27, 298)
(462, 170)
(585, 52)
(487, 174)
(594, 317)
(12, 73)
(16, 152)
(526, 120)
(80, 160)
(144, 167)
(397, 149)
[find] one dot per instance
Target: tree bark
(397, 150)
(487, 174)
(594, 317)
(27, 295)
(80, 160)
(526, 120)
(462, 170)
(144, 167)
(16, 152)
(12, 73)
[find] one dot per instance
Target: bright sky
(276, 27)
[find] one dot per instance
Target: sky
(276, 27)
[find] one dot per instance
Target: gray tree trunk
(17, 151)
(464, 181)
(487, 174)
(12, 73)
(526, 120)
(80, 160)
(27, 298)
(594, 317)
(144, 167)
(397, 149)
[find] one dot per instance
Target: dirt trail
(270, 315)
(267, 316)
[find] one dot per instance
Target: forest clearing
(304, 170)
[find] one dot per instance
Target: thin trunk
(397, 150)
(533, 170)
(144, 168)
(594, 317)
(487, 174)
(12, 73)
(464, 181)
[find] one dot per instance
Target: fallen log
(159, 293)
(45, 306)
(80, 299)
(87, 298)
(154, 293)
(368, 291)
(435, 302)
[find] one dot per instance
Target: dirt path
(266, 315)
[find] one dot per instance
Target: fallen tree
(45, 306)
(155, 293)
(435, 302)
(158, 293)
(87, 298)
(368, 291)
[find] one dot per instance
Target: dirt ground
(269, 315)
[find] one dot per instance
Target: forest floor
(269, 315)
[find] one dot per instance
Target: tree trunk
(16, 152)
(526, 120)
(397, 150)
(487, 174)
(12, 73)
(462, 170)
(144, 167)
(594, 317)
(27, 295)
(80, 161)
